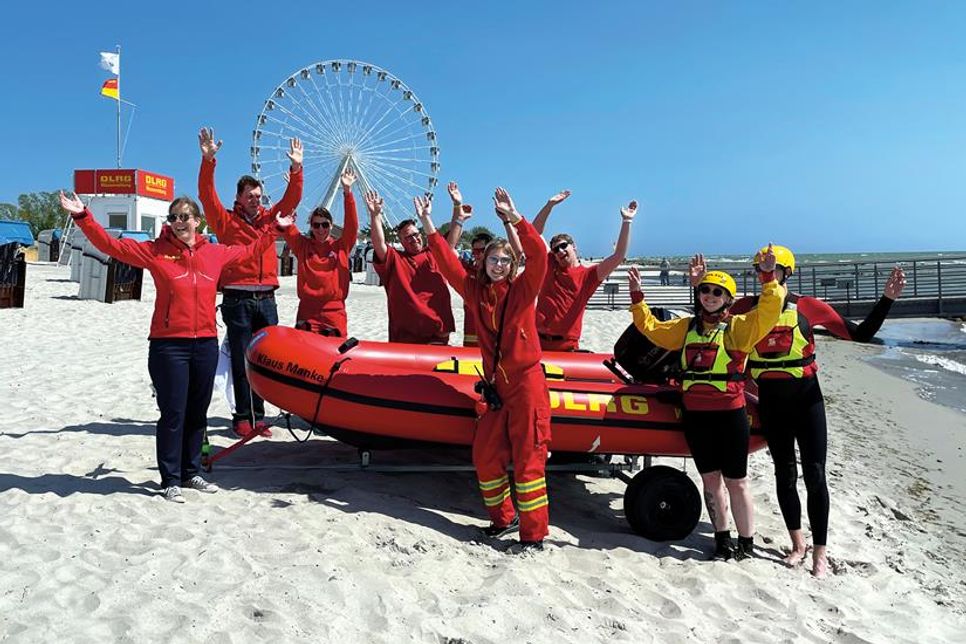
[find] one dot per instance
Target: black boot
(745, 549)
(724, 547)
(493, 532)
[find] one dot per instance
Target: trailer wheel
(662, 504)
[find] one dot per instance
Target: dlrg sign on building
(126, 199)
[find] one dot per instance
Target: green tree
(391, 237)
(468, 235)
(8, 211)
(41, 210)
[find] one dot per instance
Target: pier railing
(934, 287)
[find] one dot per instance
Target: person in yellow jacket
(714, 349)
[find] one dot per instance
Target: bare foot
(795, 558)
(819, 563)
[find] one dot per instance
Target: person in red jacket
(323, 266)
(569, 285)
(248, 289)
(790, 401)
(517, 429)
(183, 351)
(418, 298)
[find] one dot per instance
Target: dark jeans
(244, 315)
(183, 374)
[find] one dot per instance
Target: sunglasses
(413, 236)
(493, 260)
(562, 246)
(710, 290)
(321, 224)
(180, 216)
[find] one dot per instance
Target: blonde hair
(498, 244)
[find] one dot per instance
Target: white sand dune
(89, 551)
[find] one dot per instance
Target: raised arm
(514, 239)
(129, 251)
(293, 192)
(376, 233)
(461, 213)
(293, 237)
(540, 221)
(746, 330)
(530, 242)
(446, 259)
(350, 225)
(607, 266)
(215, 213)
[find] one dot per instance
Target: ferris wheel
(348, 114)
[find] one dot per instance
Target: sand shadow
(58, 280)
(592, 518)
(64, 485)
(116, 427)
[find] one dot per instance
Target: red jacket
(520, 344)
(323, 267)
(563, 299)
(418, 299)
(234, 229)
(185, 278)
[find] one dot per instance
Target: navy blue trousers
(243, 317)
(183, 373)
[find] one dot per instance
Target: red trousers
(317, 317)
(519, 432)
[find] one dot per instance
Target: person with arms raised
(568, 285)
(324, 274)
(420, 310)
(714, 347)
(515, 428)
(183, 342)
(248, 289)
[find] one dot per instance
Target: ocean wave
(941, 361)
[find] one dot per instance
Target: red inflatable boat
(372, 391)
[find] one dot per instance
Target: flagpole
(119, 106)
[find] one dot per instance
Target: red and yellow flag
(109, 89)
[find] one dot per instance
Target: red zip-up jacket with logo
(186, 278)
(323, 267)
(233, 228)
(520, 344)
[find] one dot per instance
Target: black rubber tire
(662, 504)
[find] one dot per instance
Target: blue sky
(828, 127)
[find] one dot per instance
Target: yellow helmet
(722, 279)
(783, 257)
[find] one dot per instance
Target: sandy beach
(89, 551)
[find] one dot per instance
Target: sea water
(930, 353)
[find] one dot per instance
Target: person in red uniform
(419, 305)
(183, 342)
(568, 285)
(714, 348)
(790, 402)
(248, 289)
(323, 266)
(502, 303)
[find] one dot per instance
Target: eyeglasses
(178, 216)
(562, 246)
(494, 260)
(321, 224)
(704, 289)
(413, 236)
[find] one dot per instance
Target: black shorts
(718, 440)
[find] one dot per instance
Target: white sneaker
(173, 493)
(198, 483)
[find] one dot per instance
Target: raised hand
(295, 152)
(424, 207)
(634, 279)
(348, 178)
(895, 283)
(696, 269)
(286, 221)
(454, 193)
(557, 198)
(373, 203)
(206, 141)
(73, 205)
(505, 209)
(465, 212)
(628, 211)
(767, 260)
